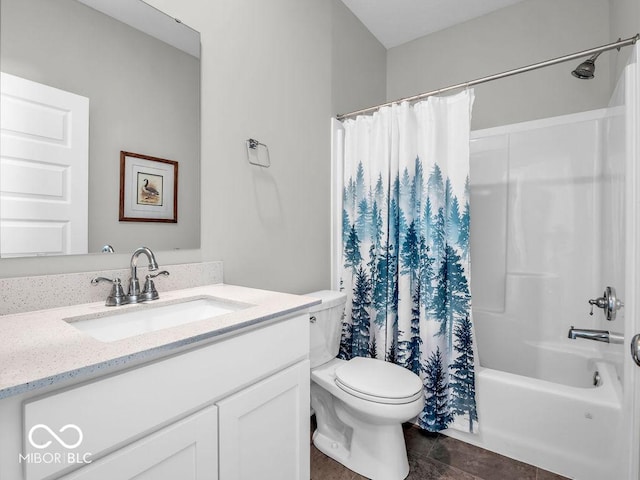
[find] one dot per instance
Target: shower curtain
(405, 248)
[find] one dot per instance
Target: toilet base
(364, 436)
(385, 461)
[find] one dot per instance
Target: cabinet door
(264, 429)
(185, 450)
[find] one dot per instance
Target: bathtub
(558, 420)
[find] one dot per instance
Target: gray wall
(144, 98)
(525, 33)
(274, 71)
(624, 21)
(278, 70)
(359, 63)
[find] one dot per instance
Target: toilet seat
(378, 381)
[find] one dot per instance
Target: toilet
(360, 404)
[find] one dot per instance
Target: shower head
(586, 70)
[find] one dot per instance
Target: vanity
(224, 397)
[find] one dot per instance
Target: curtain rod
(534, 66)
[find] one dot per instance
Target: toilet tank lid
(330, 298)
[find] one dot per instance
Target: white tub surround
(544, 240)
(40, 348)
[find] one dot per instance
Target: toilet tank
(326, 326)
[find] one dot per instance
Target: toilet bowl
(360, 404)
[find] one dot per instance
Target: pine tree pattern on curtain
(405, 236)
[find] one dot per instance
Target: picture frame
(148, 189)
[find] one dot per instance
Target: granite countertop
(40, 348)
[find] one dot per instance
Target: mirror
(139, 73)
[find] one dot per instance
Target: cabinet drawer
(107, 413)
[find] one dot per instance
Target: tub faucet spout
(597, 335)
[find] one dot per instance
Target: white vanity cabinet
(264, 429)
(236, 408)
(186, 450)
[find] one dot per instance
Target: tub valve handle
(608, 302)
(600, 302)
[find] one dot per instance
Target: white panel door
(44, 165)
(264, 429)
(186, 450)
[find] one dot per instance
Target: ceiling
(394, 22)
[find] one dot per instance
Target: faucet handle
(154, 275)
(149, 292)
(117, 296)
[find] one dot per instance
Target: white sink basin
(149, 318)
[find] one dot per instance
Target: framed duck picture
(148, 188)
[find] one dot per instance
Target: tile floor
(438, 457)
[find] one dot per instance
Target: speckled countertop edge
(40, 348)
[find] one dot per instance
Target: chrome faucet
(597, 335)
(134, 294)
